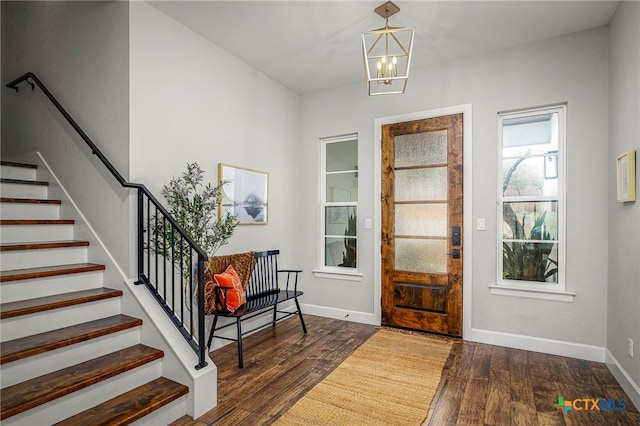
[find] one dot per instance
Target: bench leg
(213, 329)
(275, 312)
(304, 327)
(240, 362)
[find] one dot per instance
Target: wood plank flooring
(481, 384)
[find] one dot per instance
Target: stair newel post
(140, 237)
(200, 301)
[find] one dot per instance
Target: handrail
(199, 346)
(14, 85)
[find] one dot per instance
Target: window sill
(338, 275)
(542, 294)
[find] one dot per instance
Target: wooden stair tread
(48, 271)
(130, 406)
(15, 164)
(25, 182)
(24, 347)
(29, 200)
(41, 304)
(37, 222)
(42, 245)
(40, 390)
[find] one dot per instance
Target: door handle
(455, 254)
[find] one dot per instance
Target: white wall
(80, 52)
(193, 102)
(624, 218)
(569, 69)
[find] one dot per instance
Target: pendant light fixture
(387, 55)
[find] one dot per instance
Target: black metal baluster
(156, 278)
(164, 263)
(148, 238)
(173, 269)
(182, 283)
(140, 236)
(201, 344)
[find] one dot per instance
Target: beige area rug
(389, 380)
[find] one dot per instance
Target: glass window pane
(340, 220)
(340, 252)
(537, 262)
(527, 178)
(530, 220)
(420, 149)
(421, 184)
(342, 156)
(530, 135)
(426, 220)
(421, 255)
(342, 187)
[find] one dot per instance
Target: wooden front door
(422, 225)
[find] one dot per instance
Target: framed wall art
(626, 176)
(246, 195)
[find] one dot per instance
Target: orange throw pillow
(235, 296)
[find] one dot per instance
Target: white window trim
(544, 291)
(323, 271)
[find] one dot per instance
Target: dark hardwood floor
(481, 384)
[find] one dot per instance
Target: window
(531, 199)
(339, 204)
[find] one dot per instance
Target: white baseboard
(537, 344)
(626, 382)
(341, 314)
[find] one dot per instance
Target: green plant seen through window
(349, 253)
(529, 261)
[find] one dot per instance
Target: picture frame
(626, 176)
(246, 194)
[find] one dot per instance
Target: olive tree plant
(194, 206)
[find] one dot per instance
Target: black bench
(263, 293)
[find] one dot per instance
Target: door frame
(466, 110)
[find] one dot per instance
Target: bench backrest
(264, 278)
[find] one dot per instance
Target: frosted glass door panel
(420, 149)
(428, 184)
(425, 220)
(421, 255)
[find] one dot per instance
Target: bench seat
(263, 294)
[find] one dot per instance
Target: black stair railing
(167, 257)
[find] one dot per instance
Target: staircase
(67, 355)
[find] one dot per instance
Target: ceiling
(309, 46)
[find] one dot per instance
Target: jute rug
(389, 380)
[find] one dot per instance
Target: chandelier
(387, 55)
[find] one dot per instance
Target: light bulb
(394, 60)
(384, 59)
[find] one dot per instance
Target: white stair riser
(13, 291)
(27, 325)
(37, 365)
(165, 415)
(19, 259)
(69, 405)
(35, 233)
(13, 172)
(20, 190)
(29, 211)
